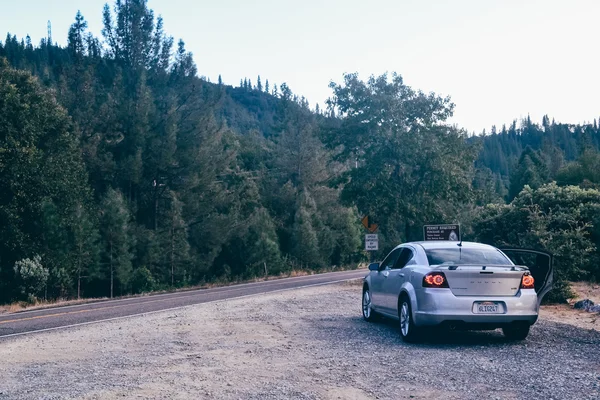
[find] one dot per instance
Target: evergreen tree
(304, 237)
(174, 240)
(42, 178)
(532, 170)
(86, 250)
(76, 39)
(259, 86)
(116, 240)
(128, 32)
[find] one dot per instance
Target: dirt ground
(565, 313)
(309, 343)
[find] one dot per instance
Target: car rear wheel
(367, 310)
(516, 331)
(408, 330)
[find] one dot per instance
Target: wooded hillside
(122, 170)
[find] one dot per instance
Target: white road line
(184, 292)
(170, 309)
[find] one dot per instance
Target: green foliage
(305, 239)
(116, 241)
(561, 220)
(532, 170)
(173, 240)
(42, 177)
(32, 277)
(125, 171)
(410, 167)
(142, 281)
(502, 149)
(585, 171)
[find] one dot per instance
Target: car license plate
(488, 307)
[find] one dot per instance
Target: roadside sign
(370, 227)
(371, 242)
(450, 232)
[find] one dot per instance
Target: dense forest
(123, 170)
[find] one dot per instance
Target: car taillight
(527, 282)
(435, 280)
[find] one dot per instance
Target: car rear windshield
(465, 256)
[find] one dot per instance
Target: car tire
(408, 330)
(367, 309)
(516, 331)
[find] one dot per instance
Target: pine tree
(184, 65)
(267, 87)
(76, 38)
(56, 248)
(129, 32)
(220, 81)
(86, 251)
(116, 240)
(304, 236)
(175, 239)
(259, 86)
(532, 170)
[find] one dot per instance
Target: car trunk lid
(479, 280)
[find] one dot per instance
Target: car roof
(445, 244)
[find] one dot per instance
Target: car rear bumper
(437, 306)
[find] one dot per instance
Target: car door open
(539, 264)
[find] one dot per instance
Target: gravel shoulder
(308, 343)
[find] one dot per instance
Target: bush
(142, 281)
(32, 277)
(560, 220)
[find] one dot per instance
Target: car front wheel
(367, 309)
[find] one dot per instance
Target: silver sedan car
(459, 285)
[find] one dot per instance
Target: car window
(464, 256)
(405, 256)
(390, 260)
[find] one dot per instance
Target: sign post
(371, 240)
(448, 232)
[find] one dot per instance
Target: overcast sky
(497, 59)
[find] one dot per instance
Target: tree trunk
(155, 209)
(79, 274)
(172, 256)
(112, 272)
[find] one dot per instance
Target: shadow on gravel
(386, 331)
(442, 337)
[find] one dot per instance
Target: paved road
(60, 317)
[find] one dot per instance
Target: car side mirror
(374, 266)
